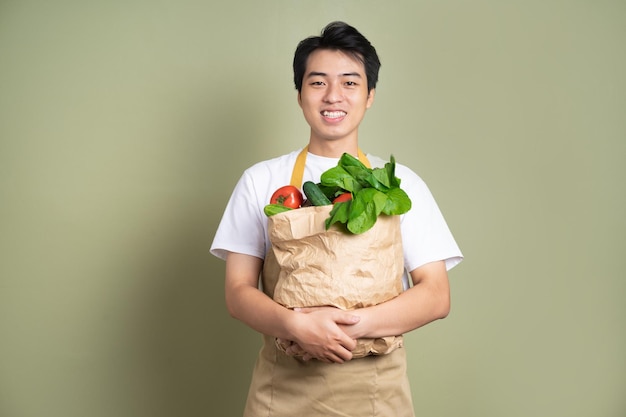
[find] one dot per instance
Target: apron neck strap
(298, 169)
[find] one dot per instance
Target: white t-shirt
(243, 228)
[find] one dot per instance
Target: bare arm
(426, 301)
(318, 333)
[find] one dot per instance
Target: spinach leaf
(390, 167)
(348, 160)
(356, 169)
(398, 202)
(330, 191)
(374, 192)
(362, 220)
(380, 179)
(339, 177)
(339, 214)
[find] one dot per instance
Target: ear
(299, 98)
(370, 98)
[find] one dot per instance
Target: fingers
(323, 335)
(349, 344)
(346, 318)
(340, 316)
(295, 350)
(340, 355)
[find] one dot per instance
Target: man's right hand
(317, 333)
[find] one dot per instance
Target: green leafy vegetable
(272, 209)
(397, 202)
(339, 177)
(375, 191)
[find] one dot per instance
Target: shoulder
(260, 180)
(282, 160)
(273, 165)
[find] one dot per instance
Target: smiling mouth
(333, 114)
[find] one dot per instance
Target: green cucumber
(314, 194)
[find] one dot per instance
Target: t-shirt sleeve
(426, 236)
(241, 228)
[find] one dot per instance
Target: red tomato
(288, 196)
(342, 197)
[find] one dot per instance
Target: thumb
(346, 318)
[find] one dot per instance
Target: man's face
(334, 95)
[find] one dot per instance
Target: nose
(333, 93)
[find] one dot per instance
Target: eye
(317, 83)
(351, 84)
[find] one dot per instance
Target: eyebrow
(323, 74)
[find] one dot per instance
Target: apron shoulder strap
(298, 169)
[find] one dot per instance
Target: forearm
(258, 311)
(319, 334)
(426, 301)
(247, 303)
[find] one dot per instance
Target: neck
(333, 149)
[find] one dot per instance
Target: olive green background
(124, 126)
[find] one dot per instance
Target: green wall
(124, 126)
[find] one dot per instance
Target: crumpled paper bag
(333, 267)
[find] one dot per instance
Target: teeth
(334, 114)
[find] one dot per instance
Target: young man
(335, 75)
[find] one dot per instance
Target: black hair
(338, 36)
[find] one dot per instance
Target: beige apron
(284, 386)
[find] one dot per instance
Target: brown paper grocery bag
(319, 267)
